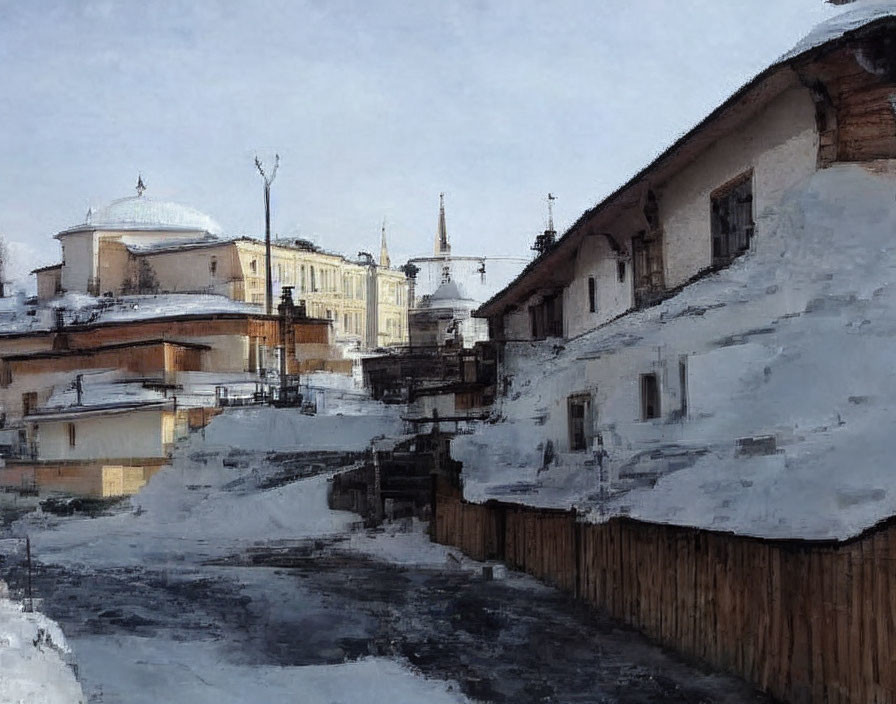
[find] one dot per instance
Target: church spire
(442, 246)
(140, 186)
(384, 251)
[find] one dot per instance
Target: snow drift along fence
(804, 621)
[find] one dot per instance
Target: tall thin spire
(140, 186)
(384, 251)
(442, 246)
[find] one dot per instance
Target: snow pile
(792, 342)
(271, 429)
(407, 543)
(211, 492)
(32, 664)
(199, 674)
(861, 13)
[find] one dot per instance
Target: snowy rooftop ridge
(861, 13)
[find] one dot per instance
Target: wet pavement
(502, 640)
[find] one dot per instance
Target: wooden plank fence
(803, 621)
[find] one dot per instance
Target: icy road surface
(228, 580)
(335, 620)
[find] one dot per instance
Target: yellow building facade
(138, 245)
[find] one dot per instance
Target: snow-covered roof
(790, 341)
(136, 245)
(859, 14)
(82, 309)
(143, 213)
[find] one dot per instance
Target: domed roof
(449, 295)
(448, 291)
(142, 213)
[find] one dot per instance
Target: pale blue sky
(374, 107)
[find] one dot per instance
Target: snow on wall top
(794, 341)
(862, 13)
(17, 317)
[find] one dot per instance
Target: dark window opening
(579, 415)
(546, 318)
(71, 434)
(620, 271)
(647, 268)
(650, 397)
(29, 402)
(732, 219)
(213, 266)
(683, 385)
(592, 304)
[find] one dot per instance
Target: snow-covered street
(223, 581)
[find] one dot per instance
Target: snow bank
(285, 430)
(793, 342)
(195, 672)
(209, 503)
(32, 665)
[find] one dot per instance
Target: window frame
(716, 197)
(579, 439)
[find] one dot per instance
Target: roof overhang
(549, 269)
(42, 269)
(71, 412)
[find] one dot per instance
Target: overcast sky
(374, 106)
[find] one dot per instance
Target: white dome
(449, 295)
(142, 213)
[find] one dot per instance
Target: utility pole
(268, 180)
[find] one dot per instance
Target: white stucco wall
(780, 145)
(136, 434)
(79, 260)
(612, 296)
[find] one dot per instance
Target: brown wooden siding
(804, 621)
(858, 80)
